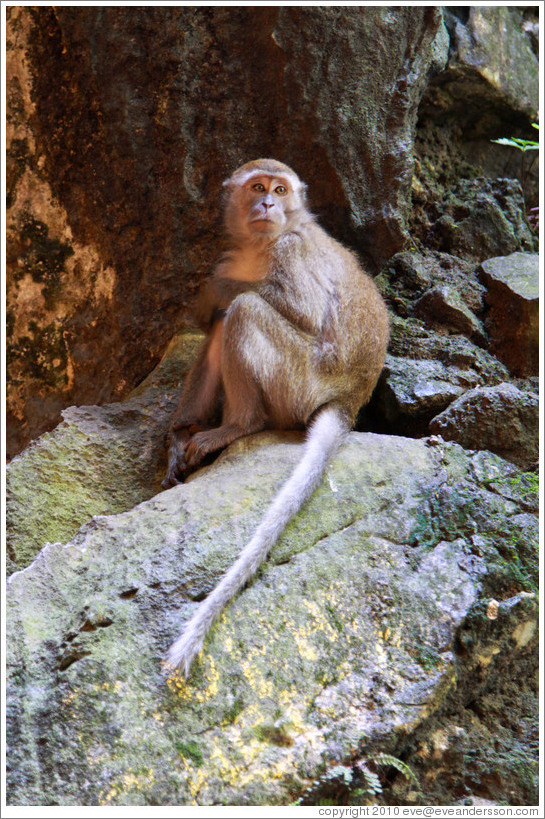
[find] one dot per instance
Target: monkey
(296, 338)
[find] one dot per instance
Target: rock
(512, 322)
(424, 372)
(411, 339)
(482, 218)
(115, 166)
(444, 306)
(409, 275)
(380, 61)
(494, 741)
(370, 610)
(99, 460)
(502, 419)
(446, 153)
(410, 392)
(491, 47)
(492, 72)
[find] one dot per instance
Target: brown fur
(297, 333)
(293, 324)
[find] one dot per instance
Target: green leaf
(521, 144)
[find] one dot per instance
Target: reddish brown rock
(512, 323)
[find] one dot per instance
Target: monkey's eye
(281, 190)
(258, 187)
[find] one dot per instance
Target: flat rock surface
(518, 271)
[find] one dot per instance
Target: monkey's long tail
(324, 438)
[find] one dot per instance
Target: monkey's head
(265, 198)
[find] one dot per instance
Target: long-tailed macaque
(297, 335)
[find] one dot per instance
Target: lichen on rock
(346, 641)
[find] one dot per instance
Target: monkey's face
(268, 199)
(263, 206)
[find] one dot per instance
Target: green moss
(190, 750)
(427, 658)
(523, 487)
(337, 622)
(232, 713)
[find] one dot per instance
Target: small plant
(394, 762)
(190, 750)
(524, 145)
(342, 784)
(371, 782)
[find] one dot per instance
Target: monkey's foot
(203, 443)
(200, 445)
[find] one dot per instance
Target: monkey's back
(357, 326)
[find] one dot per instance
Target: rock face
(502, 419)
(116, 161)
(378, 600)
(488, 90)
(482, 218)
(512, 284)
(492, 61)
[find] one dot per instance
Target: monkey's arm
(299, 288)
(312, 316)
(198, 404)
(215, 297)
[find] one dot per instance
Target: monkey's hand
(178, 466)
(215, 297)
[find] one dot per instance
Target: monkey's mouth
(263, 220)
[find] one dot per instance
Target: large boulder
(115, 165)
(410, 574)
(481, 218)
(492, 71)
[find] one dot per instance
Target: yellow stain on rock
(125, 783)
(253, 674)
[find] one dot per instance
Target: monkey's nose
(267, 205)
